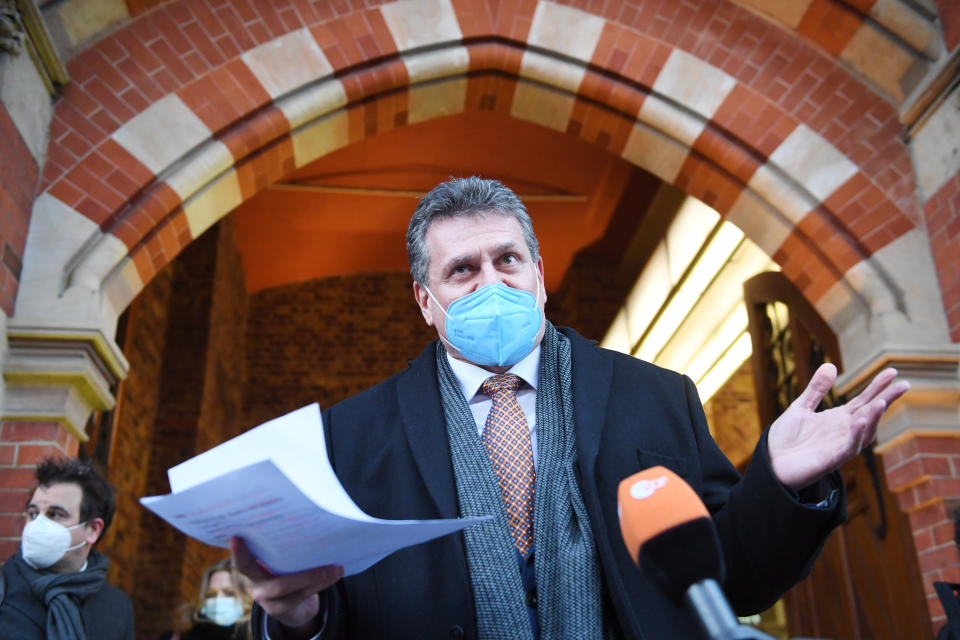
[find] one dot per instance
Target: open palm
(805, 445)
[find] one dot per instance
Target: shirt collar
(470, 376)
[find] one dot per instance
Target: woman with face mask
(221, 610)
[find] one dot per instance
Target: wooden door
(866, 583)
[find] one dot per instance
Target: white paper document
(274, 487)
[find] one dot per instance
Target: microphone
(671, 538)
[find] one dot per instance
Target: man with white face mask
(509, 416)
(55, 586)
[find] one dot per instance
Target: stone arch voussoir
(794, 187)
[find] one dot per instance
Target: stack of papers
(274, 487)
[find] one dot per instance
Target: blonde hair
(242, 588)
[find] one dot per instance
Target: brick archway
(822, 183)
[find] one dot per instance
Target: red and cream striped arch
(177, 118)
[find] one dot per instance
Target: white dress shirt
(471, 377)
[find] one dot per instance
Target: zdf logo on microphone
(645, 488)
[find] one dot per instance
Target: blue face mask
(495, 325)
(223, 611)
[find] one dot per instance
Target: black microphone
(671, 537)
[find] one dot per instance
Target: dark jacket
(107, 614)
(389, 448)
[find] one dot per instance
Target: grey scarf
(64, 593)
(568, 576)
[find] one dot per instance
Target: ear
(423, 301)
(92, 530)
(543, 281)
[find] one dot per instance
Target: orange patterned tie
(507, 440)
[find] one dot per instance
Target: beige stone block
(693, 83)
(651, 150)
(320, 138)
(879, 59)
(216, 200)
(433, 64)
(889, 300)
(27, 101)
(764, 225)
(778, 191)
(289, 62)
(199, 168)
(83, 19)
(418, 23)
(541, 105)
(670, 119)
(813, 162)
(163, 133)
(901, 18)
(437, 99)
(552, 71)
(935, 146)
(312, 102)
(788, 12)
(56, 241)
(566, 30)
(123, 285)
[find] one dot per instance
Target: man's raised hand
(805, 445)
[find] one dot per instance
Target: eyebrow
(53, 507)
(468, 257)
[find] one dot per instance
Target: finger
(894, 391)
(879, 383)
(823, 378)
(304, 582)
(245, 562)
(867, 421)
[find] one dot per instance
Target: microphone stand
(716, 618)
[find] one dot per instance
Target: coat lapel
(591, 388)
(422, 413)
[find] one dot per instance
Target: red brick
(14, 500)
(928, 516)
(9, 547)
(17, 478)
(938, 557)
(30, 431)
(30, 454)
(938, 444)
(11, 525)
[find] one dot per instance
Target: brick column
(923, 469)
(22, 444)
(919, 445)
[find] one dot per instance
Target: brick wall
(942, 211)
(733, 418)
(183, 396)
(22, 444)
(325, 340)
(923, 469)
(17, 188)
(949, 13)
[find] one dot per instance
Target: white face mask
(44, 542)
(223, 611)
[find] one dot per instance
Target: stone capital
(60, 375)
(933, 402)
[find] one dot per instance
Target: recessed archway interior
(346, 213)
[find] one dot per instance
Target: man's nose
(488, 275)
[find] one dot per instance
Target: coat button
(532, 598)
(456, 633)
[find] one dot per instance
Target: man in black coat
(407, 447)
(55, 586)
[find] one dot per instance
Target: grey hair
(463, 197)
